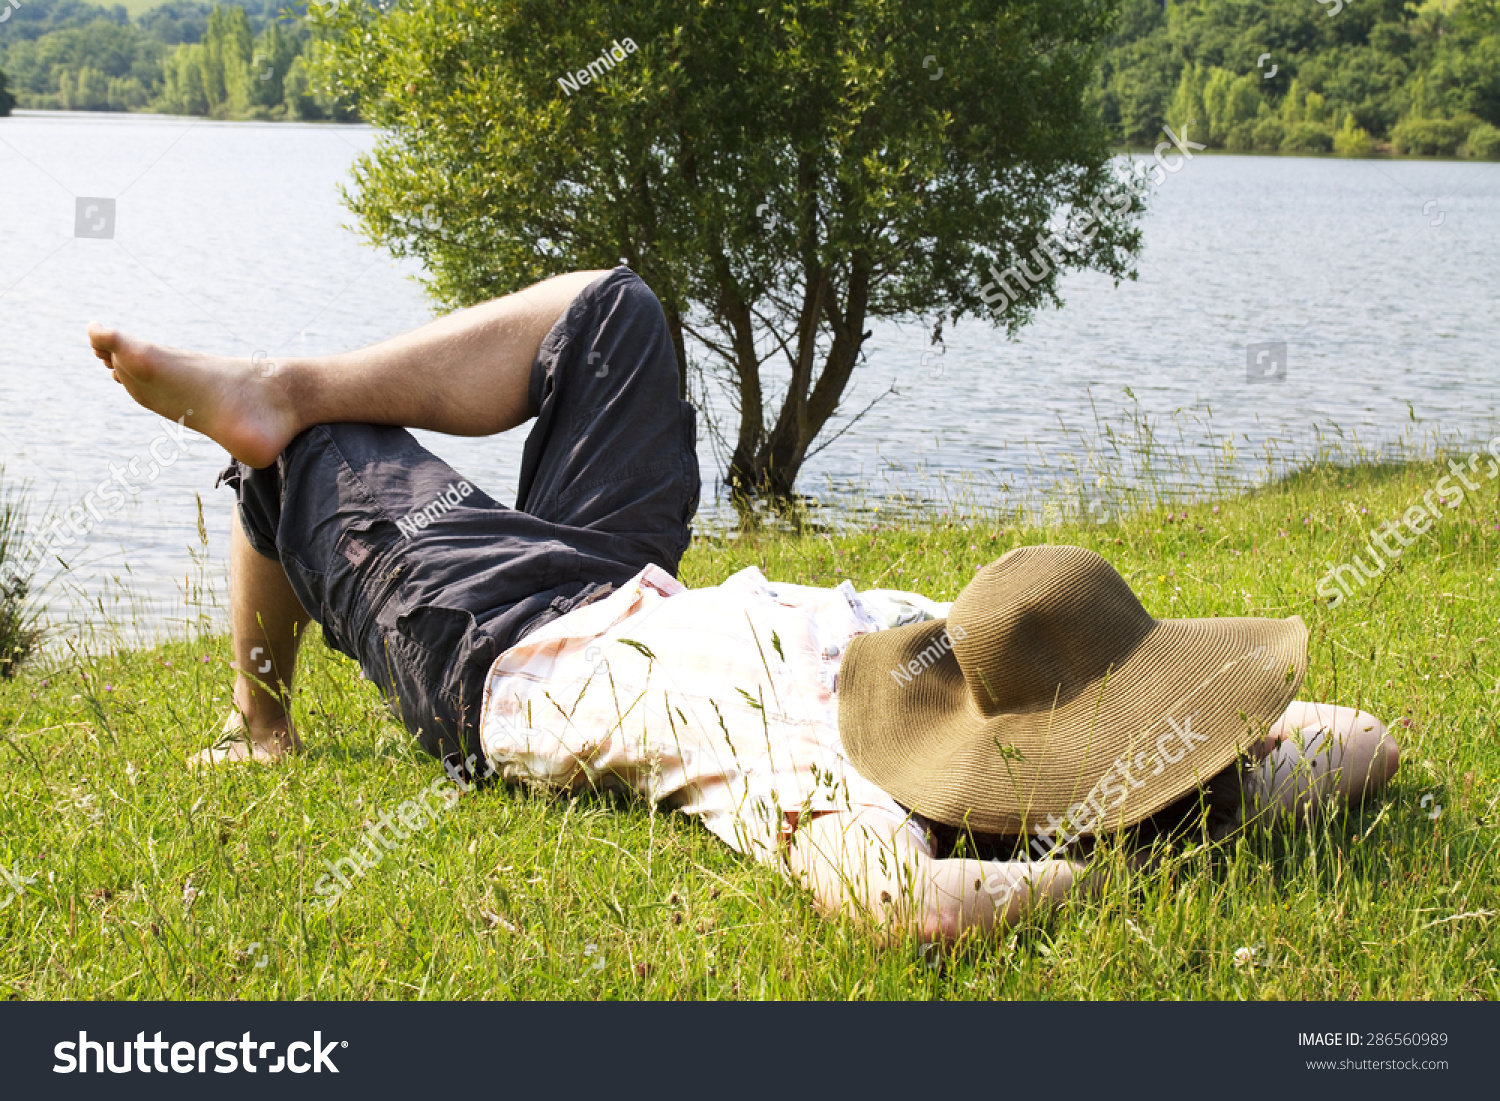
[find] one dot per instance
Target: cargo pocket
(424, 651)
(311, 587)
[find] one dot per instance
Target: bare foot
(234, 402)
(240, 743)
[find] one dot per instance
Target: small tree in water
(781, 174)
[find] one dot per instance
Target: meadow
(130, 875)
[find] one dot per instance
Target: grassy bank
(150, 881)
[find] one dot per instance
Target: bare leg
(467, 374)
(267, 622)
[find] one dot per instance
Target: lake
(1379, 277)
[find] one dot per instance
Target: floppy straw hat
(1050, 699)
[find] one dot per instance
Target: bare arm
(865, 865)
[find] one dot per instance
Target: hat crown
(1050, 695)
(1038, 620)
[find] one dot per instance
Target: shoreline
(205, 618)
(1121, 149)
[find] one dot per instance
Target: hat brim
(1179, 708)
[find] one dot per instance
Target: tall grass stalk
(20, 620)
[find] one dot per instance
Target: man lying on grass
(853, 739)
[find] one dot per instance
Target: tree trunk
(679, 347)
(747, 370)
(770, 465)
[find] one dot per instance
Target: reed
(20, 619)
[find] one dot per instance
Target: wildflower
(1244, 957)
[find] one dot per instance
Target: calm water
(1380, 277)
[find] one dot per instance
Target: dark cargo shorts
(424, 579)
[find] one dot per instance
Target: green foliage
(1269, 133)
(1304, 114)
(1379, 61)
(1187, 102)
(1307, 137)
(20, 631)
(516, 894)
(1232, 103)
(308, 97)
(1352, 140)
(1430, 136)
(864, 160)
(182, 58)
(7, 101)
(1483, 142)
(72, 67)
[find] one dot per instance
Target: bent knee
(1372, 748)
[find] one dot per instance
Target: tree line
(1308, 76)
(1302, 76)
(246, 61)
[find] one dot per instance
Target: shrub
(1230, 103)
(1268, 133)
(1351, 140)
(127, 94)
(20, 632)
(1307, 137)
(1241, 137)
(1430, 137)
(1483, 142)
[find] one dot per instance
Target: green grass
(520, 895)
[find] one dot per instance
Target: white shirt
(719, 701)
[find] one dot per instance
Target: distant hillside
(1309, 76)
(237, 61)
(1346, 76)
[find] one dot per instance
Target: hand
(1262, 748)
